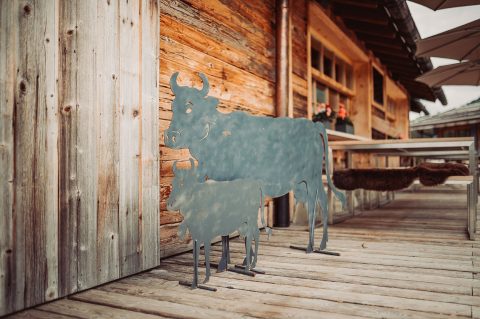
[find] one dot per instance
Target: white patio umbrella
(445, 4)
(460, 43)
(464, 73)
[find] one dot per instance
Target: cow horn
(175, 166)
(173, 83)
(192, 163)
(206, 85)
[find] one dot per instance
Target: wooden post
(282, 58)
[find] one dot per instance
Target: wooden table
(426, 148)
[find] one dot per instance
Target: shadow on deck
(409, 259)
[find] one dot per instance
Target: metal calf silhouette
(283, 154)
(212, 209)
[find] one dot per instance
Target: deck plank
(409, 259)
(37, 314)
(79, 309)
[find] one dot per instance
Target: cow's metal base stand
(194, 284)
(189, 284)
(318, 251)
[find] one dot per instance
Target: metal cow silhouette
(283, 154)
(212, 209)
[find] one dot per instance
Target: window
(377, 135)
(377, 87)
(340, 71)
(321, 92)
(333, 99)
(315, 54)
(349, 76)
(319, 97)
(378, 113)
(328, 63)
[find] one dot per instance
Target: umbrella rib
(440, 4)
(470, 51)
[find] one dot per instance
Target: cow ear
(175, 166)
(173, 83)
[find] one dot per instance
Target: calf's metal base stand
(225, 260)
(245, 262)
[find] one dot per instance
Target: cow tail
(268, 230)
(324, 137)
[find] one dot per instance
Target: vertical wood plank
(35, 56)
(8, 35)
(149, 165)
(107, 113)
(86, 94)
(29, 159)
(129, 136)
(23, 159)
(69, 194)
(49, 93)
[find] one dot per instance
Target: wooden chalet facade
(350, 52)
(85, 98)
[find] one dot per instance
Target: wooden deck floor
(410, 259)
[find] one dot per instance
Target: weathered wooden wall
(299, 26)
(233, 43)
(79, 177)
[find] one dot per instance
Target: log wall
(79, 177)
(233, 43)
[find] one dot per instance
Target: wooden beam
(361, 4)
(399, 74)
(396, 60)
(387, 51)
(369, 29)
(360, 14)
(390, 44)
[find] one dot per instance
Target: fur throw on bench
(391, 179)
